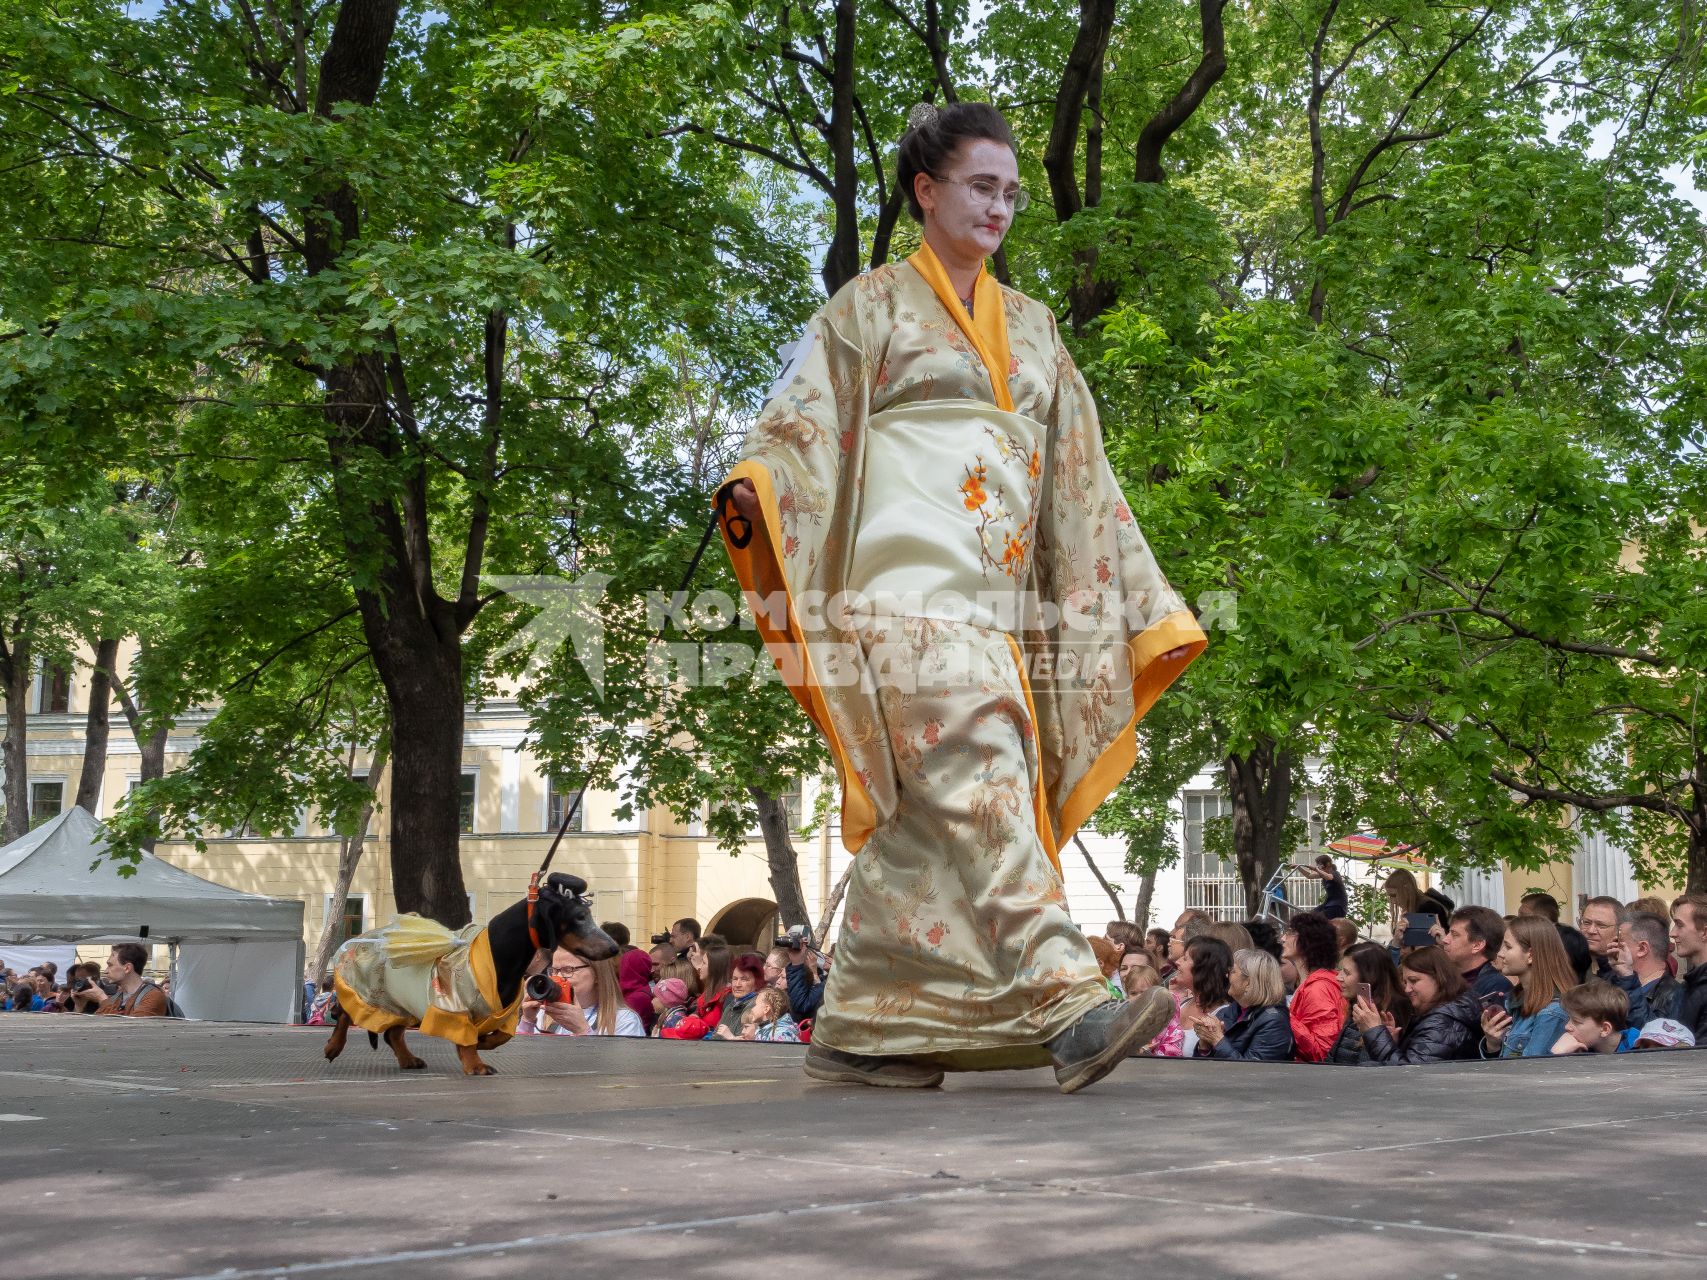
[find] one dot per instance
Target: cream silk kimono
(955, 590)
(414, 972)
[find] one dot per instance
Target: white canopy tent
(235, 957)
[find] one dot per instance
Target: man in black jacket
(805, 982)
(1689, 944)
(1471, 943)
(1643, 945)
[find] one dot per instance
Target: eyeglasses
(1016, 198)
(568, 969)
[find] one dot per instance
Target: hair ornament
(924, 113)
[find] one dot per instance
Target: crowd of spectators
(120, 986)
(1455, 982)
(690, 985)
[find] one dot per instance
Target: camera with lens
(82, 984)
(796, 938)
(658, 938)
(547, 989)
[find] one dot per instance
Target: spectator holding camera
(1471, 942)
(1534, 958)
(1444, 1016)
(805, 980)
(133, 996)
(576, 997)
(1367, 970)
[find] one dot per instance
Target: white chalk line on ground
(1217, 1165)
(1388, 1224)
(573, 1237)
(109, 1082)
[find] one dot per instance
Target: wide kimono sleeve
(804, 459)
(1114, 634)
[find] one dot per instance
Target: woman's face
(1421, 990)
(1237, 987)
(1182, 973)
(697, 959)
(959, 216)
(1349, 978)
(1513, 959)
(1289, 948)
(567, 966)
(741, 983)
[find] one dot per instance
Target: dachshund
(562, 917)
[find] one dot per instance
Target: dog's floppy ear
(568, 885)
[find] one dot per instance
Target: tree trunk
(153, 747)
(1260, 787)
(784, 861)
(1119, 911)
(15, 675)
(1146, 893)
(349, 857)
(833, 902)
(423, 685)
(1695, 873)
(97, 725)
(841, 260)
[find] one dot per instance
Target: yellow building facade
(645, 872)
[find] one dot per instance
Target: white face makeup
(970, 205)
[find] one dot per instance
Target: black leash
(740, 532)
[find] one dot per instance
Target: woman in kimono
(943, 567)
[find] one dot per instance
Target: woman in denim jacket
(1534, 959)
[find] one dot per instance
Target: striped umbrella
(1367, 847)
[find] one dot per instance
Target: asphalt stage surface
(233, 1151)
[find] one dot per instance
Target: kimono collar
(989, 333)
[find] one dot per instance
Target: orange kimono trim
(1150, 678)
(760, 575)
(1039, 797)
(988, 332)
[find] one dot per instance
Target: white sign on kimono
(793, 357)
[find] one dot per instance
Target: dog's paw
(480, 1070)
(414, 1064)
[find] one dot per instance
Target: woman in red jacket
(1318, 1007)
(710, 960)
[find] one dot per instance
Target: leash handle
(738, 538)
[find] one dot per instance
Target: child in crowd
(768, 1020)
(1665, 1033)
(1137, 977)
(1597, 1016)
(669, 1003)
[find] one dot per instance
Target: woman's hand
(1437, 933)
(1495, 1023)
(1209, 1030)
(746, 500)
(1364, 1015)
(571, 1017)
(1174, 655)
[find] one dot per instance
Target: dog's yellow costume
(414, 972)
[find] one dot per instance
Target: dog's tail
(373, 1040)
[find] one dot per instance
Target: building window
(350, 924)
(792, 798)
(1211, 883)
(465, 803)
(55, 691)
(46, 801)
(558, 798)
